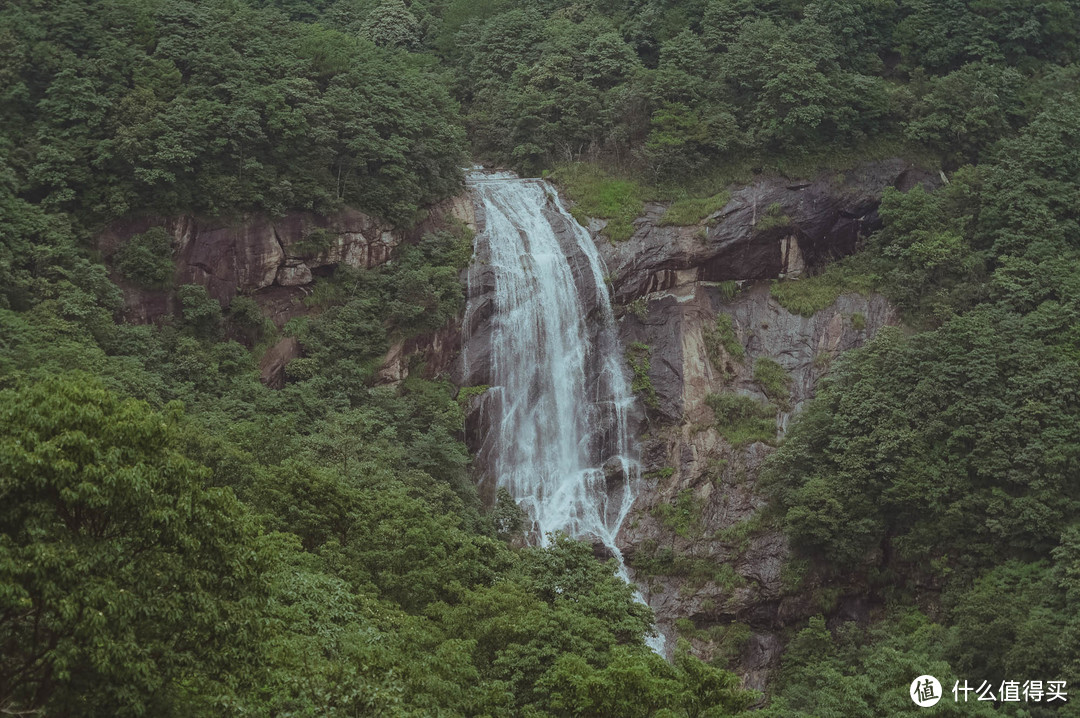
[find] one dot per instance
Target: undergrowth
(808, 295)
(742, 419)
(686, 212)
(596, 193)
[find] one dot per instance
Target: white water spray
(560, 438)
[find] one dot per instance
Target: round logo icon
(925, 691)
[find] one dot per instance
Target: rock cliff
(696, 303)
(272, 259)
(697, 299)
(709, 561)
(771, 228)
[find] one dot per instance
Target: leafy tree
(509, 518)
(391, 24)
(866, 672)
(146, 259)
(928, 452)
(803, 96)
(944, 35)
(929, 263)
(122, 573)
(300, 116)
(966, 110)
(940, 457)
(246, 319)
(199, 310)
(1022, 608)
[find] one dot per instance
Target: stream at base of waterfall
(559, 399)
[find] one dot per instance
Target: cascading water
(557, 437)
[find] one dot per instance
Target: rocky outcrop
(435, 352)
(273, 362)
(770, 228)
(675, 322)
(724, 572)
(253, 254)
(740, 602)
(274, 260)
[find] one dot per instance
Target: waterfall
(557, 435)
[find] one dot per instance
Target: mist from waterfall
(559, 398)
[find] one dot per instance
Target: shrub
(773, 217)
(809, 295)
(742, 419)
(721, 339)
(650, 560)
(466, 394)
(200, 311)
(508, 517)
(660, 474)
(637, 356)
(682, 516)
(247, 320)
(146, 259)
(314, 243)
(639, 308)
(738, 534)
(728, 288)
(774, 381)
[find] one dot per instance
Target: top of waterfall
(484, 174)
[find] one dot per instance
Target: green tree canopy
(123, 575)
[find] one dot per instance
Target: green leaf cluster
(595, 193)
(217, 107)
(774, 381)
(722, 344)
(146, 259)
(686, 212)
(808, 295)
(678, 92)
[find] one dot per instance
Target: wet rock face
(480, 321)
(725, 574)
(475, 368)
(682, 373)
(686, 458)
(728, 576)
(770, 228)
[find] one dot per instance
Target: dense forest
(177, 539)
